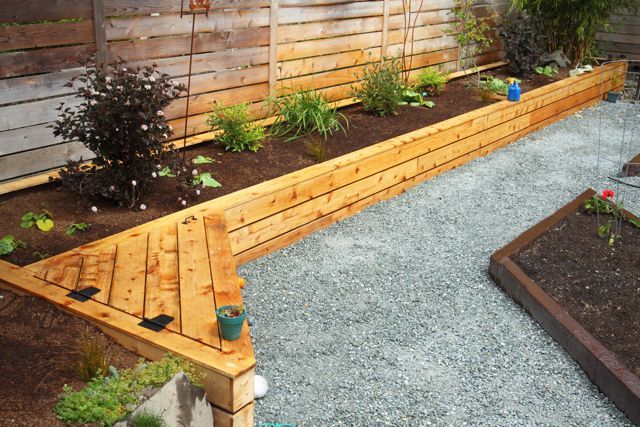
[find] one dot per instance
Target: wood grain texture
(197, 305)
(128, 283)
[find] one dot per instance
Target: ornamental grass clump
(432, 81)
(380, 87)
(305, 112)
(121, 119)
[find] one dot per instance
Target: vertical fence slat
(100, 30)
(273, 46)
(385, 28)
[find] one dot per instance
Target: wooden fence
(241, 55)
(622, 37)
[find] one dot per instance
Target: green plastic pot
(230, 327)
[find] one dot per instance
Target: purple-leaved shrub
(121, 119)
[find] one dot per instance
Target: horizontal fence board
(38, 112)
(29, 138)
(35, 87)
(154, 26)
(42, 35)
(208, 62)
(37, 10)
(137, 7)
(42, 159)
(165, 47)
(39, 61)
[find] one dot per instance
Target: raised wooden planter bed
(601, 365)
(268, 216)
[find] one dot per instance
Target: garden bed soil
(632, 168)
(598, 284)
(234, 171)
(584, 293)
(38, 355)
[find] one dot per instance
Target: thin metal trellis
(195, 6)
(629, 135)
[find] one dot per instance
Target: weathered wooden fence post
(385, 28)
(273, 47)
(100, 32)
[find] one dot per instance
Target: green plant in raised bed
(93, 357)
(104, 400)
(548, 70)
(239, 133)
(470, 32)
(604, 204)
(432, 81)
(304, 112)
(205, 180)
(76, 226)
(166, 172)
(415, 99)
(317, 147)
(380, 86)
(43, 220)
(202, 160)
(8, 244)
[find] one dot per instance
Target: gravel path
(390, 317)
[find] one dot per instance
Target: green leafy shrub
(470, 32)
(524, 43)
(121, 119)
(432, 81)
(381, 86)
(239, 133)
(8, 244)
(304, 112)
(104, 400)
(572, 25)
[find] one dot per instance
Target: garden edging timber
(613, 378)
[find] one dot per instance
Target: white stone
(260, 386)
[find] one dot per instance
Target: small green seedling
(165, 171)
(8, 244)
(548, 70)
(414, 99)
(205, 180)
(40, 255)
(79, 226)
(202, 160)
(42, 220)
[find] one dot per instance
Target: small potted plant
(613, 96)
(231, 318)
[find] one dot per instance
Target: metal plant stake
(194, 7)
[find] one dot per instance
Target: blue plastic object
(514, 92)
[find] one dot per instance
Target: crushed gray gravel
(390, 318)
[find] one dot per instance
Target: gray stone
(179, 403)
(556, 58)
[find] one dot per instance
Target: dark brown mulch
(234, 170)
(598, 284)
(38, 356)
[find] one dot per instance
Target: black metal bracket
(157, 323)
(83, 295)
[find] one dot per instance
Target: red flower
(607, 194)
